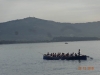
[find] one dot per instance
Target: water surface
(26, 59)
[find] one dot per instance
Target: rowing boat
(83, 57)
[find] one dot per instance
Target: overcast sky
(73, 11)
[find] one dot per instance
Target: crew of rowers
(63, 54)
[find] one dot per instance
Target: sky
(69, 11)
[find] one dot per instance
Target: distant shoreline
(56, 39)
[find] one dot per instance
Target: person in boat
(71, 54)
(48, 54)
(67, 54)
(62, 55)
(55, 55)
(75, 54)
(51, 54)
(79, 52)
(58, 55)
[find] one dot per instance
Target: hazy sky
(73, 11)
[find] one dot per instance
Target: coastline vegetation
(55, 39)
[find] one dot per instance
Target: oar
(89, 57)
(41, 53)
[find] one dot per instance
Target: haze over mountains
(35, 29)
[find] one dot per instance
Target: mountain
(35, 29)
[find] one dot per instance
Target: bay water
(27, 59)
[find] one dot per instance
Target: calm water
(26, 59)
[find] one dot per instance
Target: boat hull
(65, 58)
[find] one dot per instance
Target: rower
(51, 54)
(75, 54)
(55, 55)
(48, 53)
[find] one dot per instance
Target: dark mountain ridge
(34, 29)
